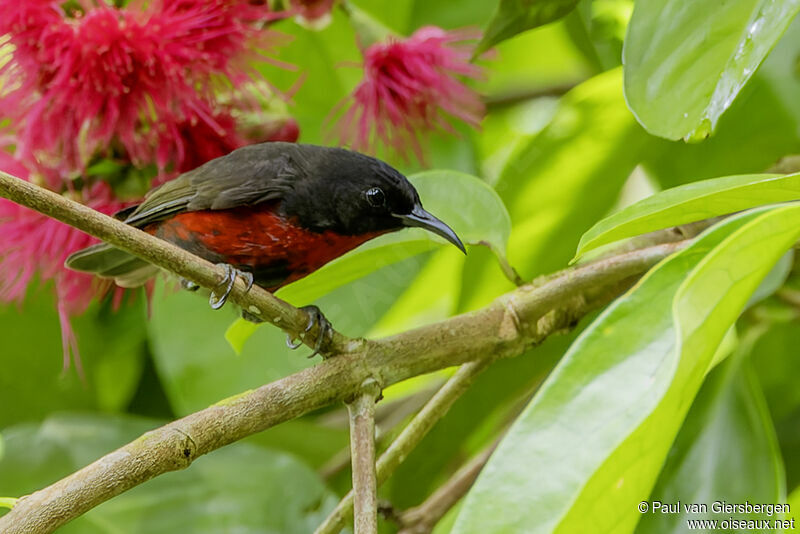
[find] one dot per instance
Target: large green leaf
(756, 132)
(516, 16)
(241, 488)
(431, 297)
(726, 450)
(686, 61)
(777, 364)
(590, 445)
(692, 202)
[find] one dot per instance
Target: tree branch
(362, 452)
(506, 327)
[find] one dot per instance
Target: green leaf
(8, 502)
(758, 130)
(516, 16)
(240, 488)
(726, 450)
(692, 202)
(595, 437)
(464, 202)
(685, 61)
(794, 499)
(431, 297)
(778, 366)
(32, 354)
(238, 333)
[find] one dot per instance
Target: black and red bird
(274, 212)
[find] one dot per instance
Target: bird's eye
(375, 197)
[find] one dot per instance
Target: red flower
(129, 76)
(411, 87)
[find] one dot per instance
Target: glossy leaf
(757, 131)
(241, 488)
(685, 61)
(702, 467)
(516, 16)
(431, 297)
(692, 202)
(777, 364)
(624, 387)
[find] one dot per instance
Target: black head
(354, 194)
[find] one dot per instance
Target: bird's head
(356, 194)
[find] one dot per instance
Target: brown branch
(362, 451)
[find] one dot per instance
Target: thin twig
(362, 452)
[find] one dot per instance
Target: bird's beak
(422, 219)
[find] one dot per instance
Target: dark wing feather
(247, 176)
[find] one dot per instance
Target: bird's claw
(217, 302)
(325, 329)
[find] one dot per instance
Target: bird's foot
(315, 318)
(218, 301)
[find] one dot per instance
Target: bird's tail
(110, 262)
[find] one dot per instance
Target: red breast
(257, 238)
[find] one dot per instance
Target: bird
(270, 213)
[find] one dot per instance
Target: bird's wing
(247, 176)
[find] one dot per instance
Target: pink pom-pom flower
(411, 87)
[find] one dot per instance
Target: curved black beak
(422, 219)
